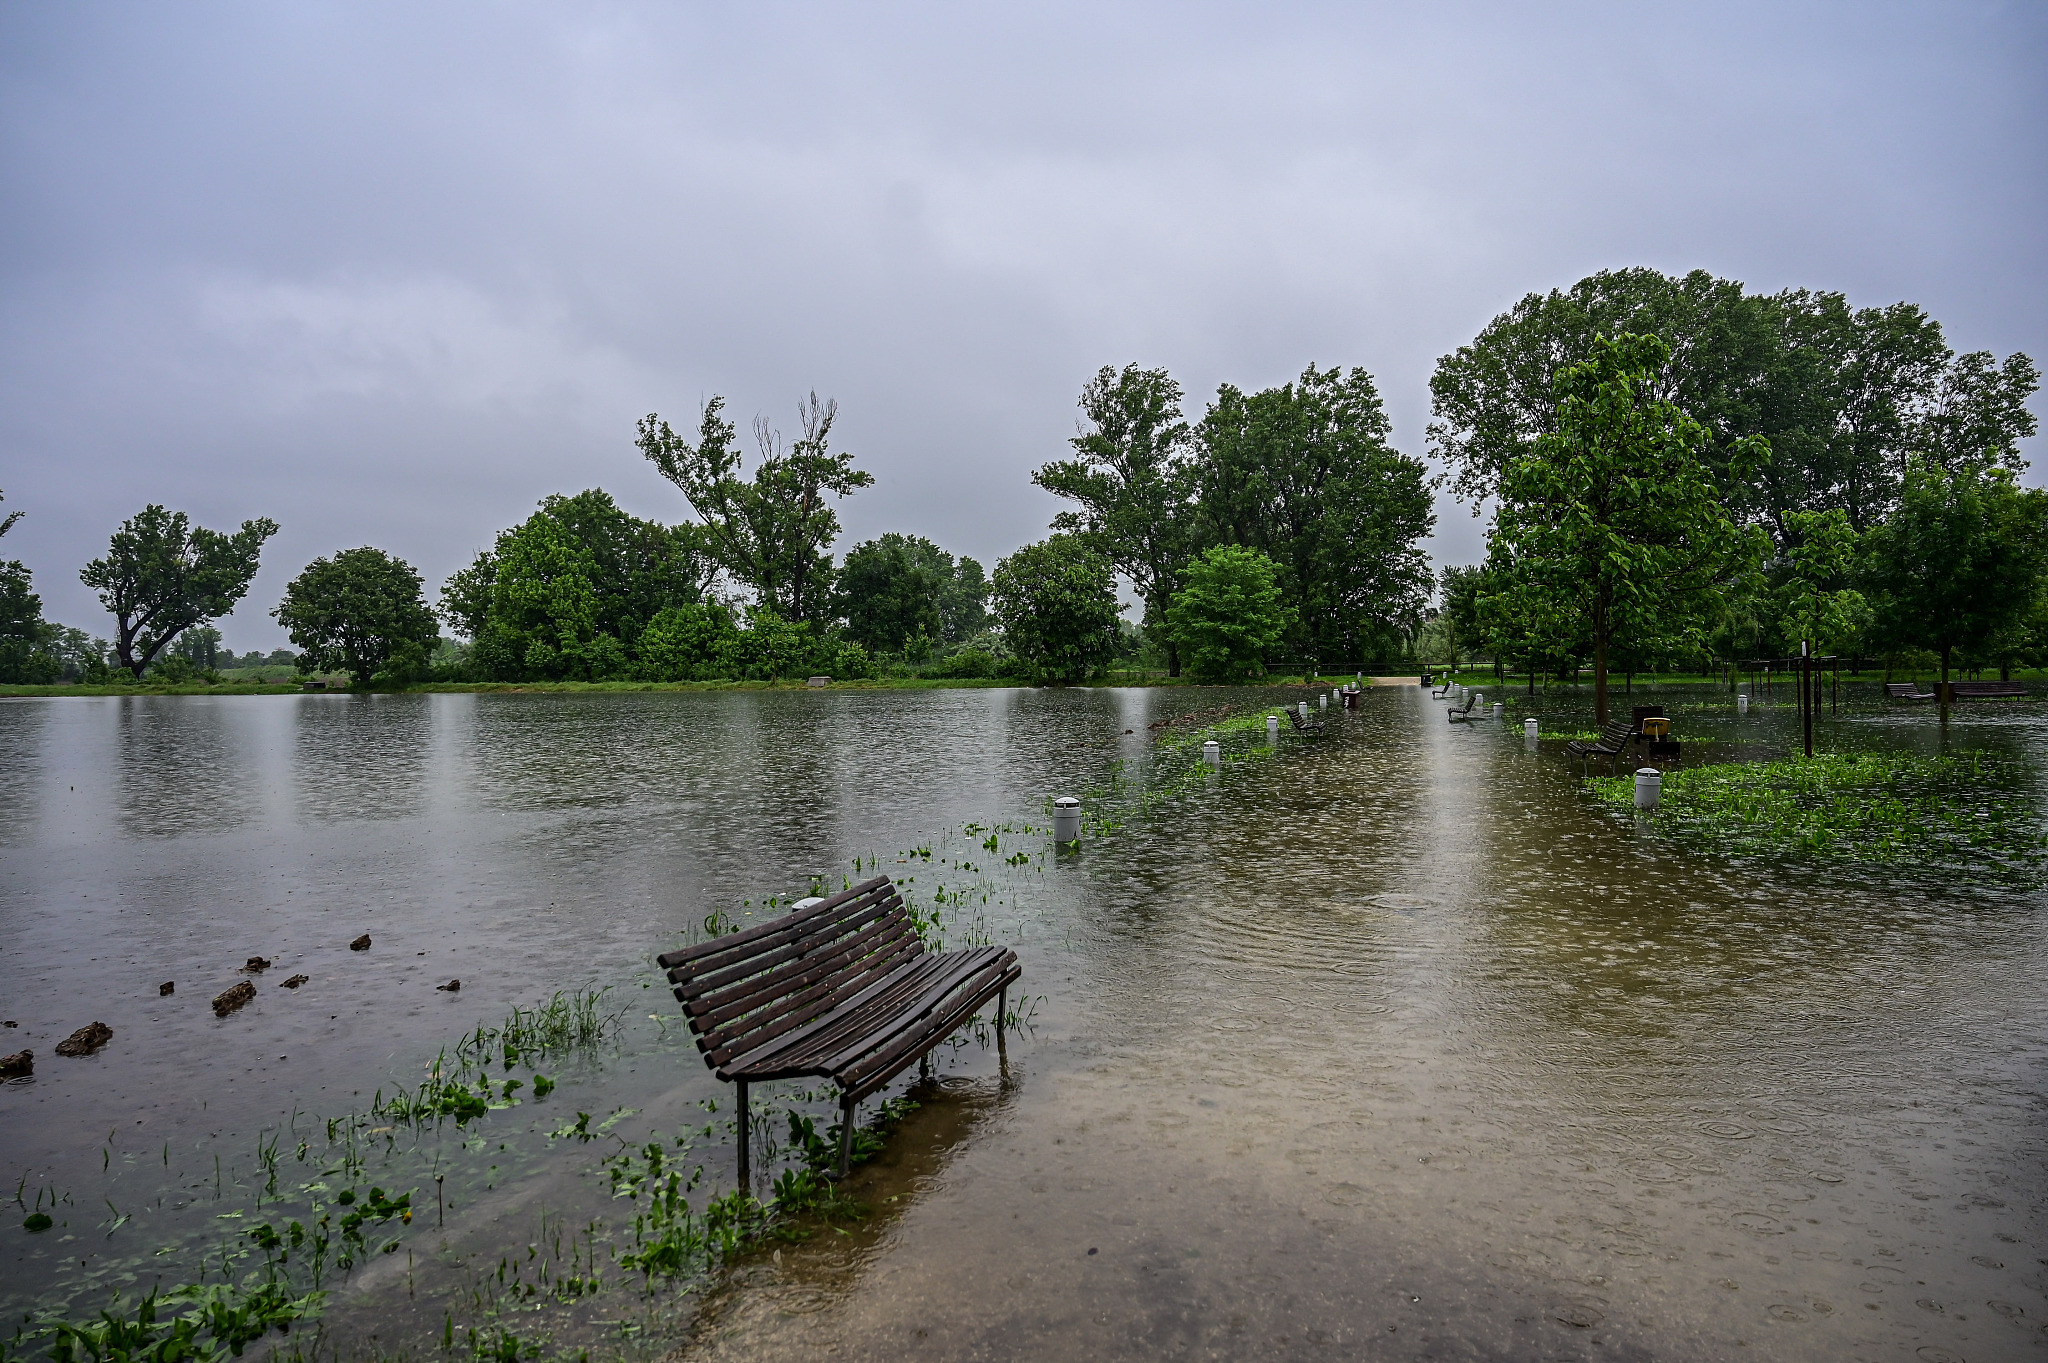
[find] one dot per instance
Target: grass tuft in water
(1970, 817)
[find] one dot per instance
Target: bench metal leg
(846, 1111)
(1002, 1012)
(745, 1140)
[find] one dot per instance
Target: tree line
(1677, 471)
(1683, 473)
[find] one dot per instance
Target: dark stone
(256, 964)
(294, 982)
(86, 1040)
(361, 943)
(167, 987)
(228, 1000)
(451, 986)
(17, 1066)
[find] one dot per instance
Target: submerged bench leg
(1002, 1012)
(745, 1141)
(846, 1111)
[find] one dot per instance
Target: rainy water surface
(1389, 1044)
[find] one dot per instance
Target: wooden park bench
(840, 989)
(1456, 714)
(1304, 726)
(1906, 691)
(1613, 741)
(1985, 690)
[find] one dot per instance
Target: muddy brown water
(1390, 1044)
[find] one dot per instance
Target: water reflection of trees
(186, 765)
(361, 757)
(24, 734)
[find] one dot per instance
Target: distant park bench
(1611, 743)
(1906, 691)
(1985, 690)
(1303, 725)
(840, 989)
(1456, 714)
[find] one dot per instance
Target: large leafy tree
(360, 611)
(890, 596)
(1462, 588)
(1842, 394)
(569, 592)
(1962, 560)
(21, 620)
(769, 531)
(162, 575)
(1057, 604)
(1132, 482)
(1613, 525)
(1304, 474)
(1228, 615)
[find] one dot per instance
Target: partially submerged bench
(1456, 714)
(1303, 725)
(1612, 742)
(1906, 691)
(1985, 690)
(839, 989)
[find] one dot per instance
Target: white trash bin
(1649, 788)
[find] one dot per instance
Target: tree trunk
(1600, 673)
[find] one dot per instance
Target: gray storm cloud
(389, 274)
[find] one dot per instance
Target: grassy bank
(1968, 818)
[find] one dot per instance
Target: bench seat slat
(747, 1034)
(869, 1021)
(868, 1075)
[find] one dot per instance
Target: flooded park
(1395, 1042)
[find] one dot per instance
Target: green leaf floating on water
(37, 1221)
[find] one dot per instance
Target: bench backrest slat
(742, 991)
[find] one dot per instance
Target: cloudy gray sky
(391, 273)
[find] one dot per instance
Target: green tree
(162, 575)
(1813, 597)
(361, 612)
(1960, 561)
(1304, 474)
(199, 646)
(769, 531)
(23, 657)
(772, 648)
(1462, 589)
(889, 597)
(1057, 604)
(1134, 483)
(1842, 394)
(696, 641)
(567, 593)
(1614, 525)
(1228, 613)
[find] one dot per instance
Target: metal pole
(745, 1186)
(1805, 687)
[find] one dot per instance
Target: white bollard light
(1500, 710)
(1323, 702)
(1480, 700)
(1529, 727)
(1649, 788)
(1272, 728)
(1742, 702)
(1066, 819)
(1304, 709)
(1212, 753)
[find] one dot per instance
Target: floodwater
(1389, 1044)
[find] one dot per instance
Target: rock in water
(451, 986)
(361, 943)
(256, 964)
(167, 987)
(17, 1066)
(294, 982)
(228, 1000)
(86, 1040)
